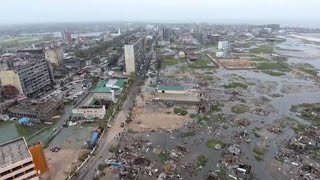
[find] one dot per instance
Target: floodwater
(9, 130)
(72, 137)
(282, 92)
(300, 52)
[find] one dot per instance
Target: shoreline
(299, 36)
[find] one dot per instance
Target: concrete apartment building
(134, 52)
(16, 161)
(54, 55)
(29, 74)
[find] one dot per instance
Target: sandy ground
(236, 63)
(59, 163)
(146, 117)
(157, 121)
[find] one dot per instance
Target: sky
(296, 12)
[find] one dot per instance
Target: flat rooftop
(13, 151)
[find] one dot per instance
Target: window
(5, 173)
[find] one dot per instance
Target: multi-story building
(54, 55)
(42, 110)
(223, 45)
(95, 103)
(66, 36)
(29, 74)
(16, 161)
(165, 33)
(213, 39)
(134, 52)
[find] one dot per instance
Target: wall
(172, 92)
(39, 158)
(19, 170)
(90, 112)
(11, 78)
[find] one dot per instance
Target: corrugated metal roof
(171, 88)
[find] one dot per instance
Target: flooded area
(39, 132)
(300, 52)
(245, 117)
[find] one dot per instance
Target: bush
(180, 112)
(235, 85)
(211, 143)
(193, 115)
(83, 155)
(274, 73)
(202, 160)
(240, 108)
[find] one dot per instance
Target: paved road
(110, 138)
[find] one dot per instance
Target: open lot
(237, 64)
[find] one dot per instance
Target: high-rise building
(16, 161)
(213, 39)
(134, 52)
(165, 33)
(66, 37)
(29, 74)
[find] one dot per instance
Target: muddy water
(9, 130)
(300, 52)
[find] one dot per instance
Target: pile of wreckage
(232, 164)
(131, 162)
(302, 152)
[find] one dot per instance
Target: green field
(20, 41)
(203, 62)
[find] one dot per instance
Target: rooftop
(13, 151)
(101, 87)
(171, 88)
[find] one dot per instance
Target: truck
(93, 140)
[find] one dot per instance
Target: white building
(220, 54)
(118, 33)
(134, 55)
(16, 161)
(222, 45)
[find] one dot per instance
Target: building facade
(16, 161)
(223, 45)
(66, 37)
(134, 55)
(29, 75)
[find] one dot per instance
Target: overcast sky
(230, 11)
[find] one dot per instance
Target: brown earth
(60, 163)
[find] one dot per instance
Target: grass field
(20, 41)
